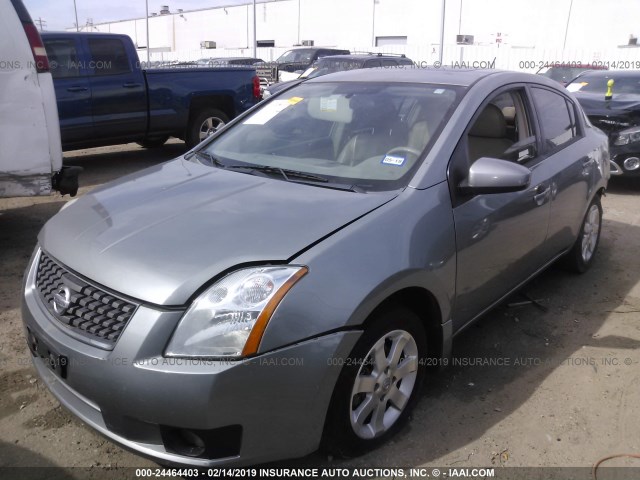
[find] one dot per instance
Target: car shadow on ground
(501, 361)
(19, 228)
(104, 164)
(35, 467)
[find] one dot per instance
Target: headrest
(490, 123)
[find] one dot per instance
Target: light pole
(255, 38)
(146, 3)
(442, 31)
(373, 24)
(566, 30)
(75, 9)
(298, 22)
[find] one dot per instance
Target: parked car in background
(225, 61)
(618, 116)
(339, 63)
(566, 72)
(31, 154)
(292, 61)
(105, 98)
(285, 285)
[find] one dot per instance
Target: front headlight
(630, 135)
(229, 318)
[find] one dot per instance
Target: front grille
(84, 308)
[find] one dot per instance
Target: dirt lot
(551, 386)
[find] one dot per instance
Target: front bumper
(267, 408)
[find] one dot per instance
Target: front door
(118, 89)
(500, 237)
(73, 92)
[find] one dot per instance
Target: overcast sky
(59, 13)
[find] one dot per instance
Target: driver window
(501, 124)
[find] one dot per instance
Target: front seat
(374, 130)
(488, 136)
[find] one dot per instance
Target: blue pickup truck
(105, 98)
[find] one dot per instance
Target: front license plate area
(56, 362)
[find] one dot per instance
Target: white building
(560, 28)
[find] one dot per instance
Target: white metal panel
(25, 128)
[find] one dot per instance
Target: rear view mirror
(491, 175)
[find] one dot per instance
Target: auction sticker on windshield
(269, 111)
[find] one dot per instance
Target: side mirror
(491, 175)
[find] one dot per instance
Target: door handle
(131, 85)
(541, 194)
(77, 89)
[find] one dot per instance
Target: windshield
(598, 83)
(299, 55)
(324, 66)
(367, 135)
(564, 74)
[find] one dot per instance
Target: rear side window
(373, 64)
(109, 56)
(389, 63)
(558, 124)
(63, 58)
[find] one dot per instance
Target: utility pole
(42, 24)
(255, 38)
(373, 24)
(566, 30)
(75, 9)
(442, 31)
(147, 19)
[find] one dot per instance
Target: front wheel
(203, 124)
(581, 256)
(378, 385)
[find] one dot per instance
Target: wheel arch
(424, 304)
(220, 102)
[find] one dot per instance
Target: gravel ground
(556, 384)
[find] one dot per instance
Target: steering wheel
(415, 152)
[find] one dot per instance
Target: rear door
(571, 170)
(73, 91)
(119, 101)
(500, 237)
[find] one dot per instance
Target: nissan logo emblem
(61, 300)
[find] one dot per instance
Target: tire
(357, 422)
(581, 255)
(156, 142)
(203, 124)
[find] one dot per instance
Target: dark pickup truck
(105, 98)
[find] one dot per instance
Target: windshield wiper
(287, 174)
(294, 176)
(207, 156)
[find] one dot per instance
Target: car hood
(611, 116)
(162, 233)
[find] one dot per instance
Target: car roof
(319, 48)
(611, 73)
(230, 58)
(444, 76)
(364, 56)
(51, 33)
(577, 65)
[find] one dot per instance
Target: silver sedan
(283, 286)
